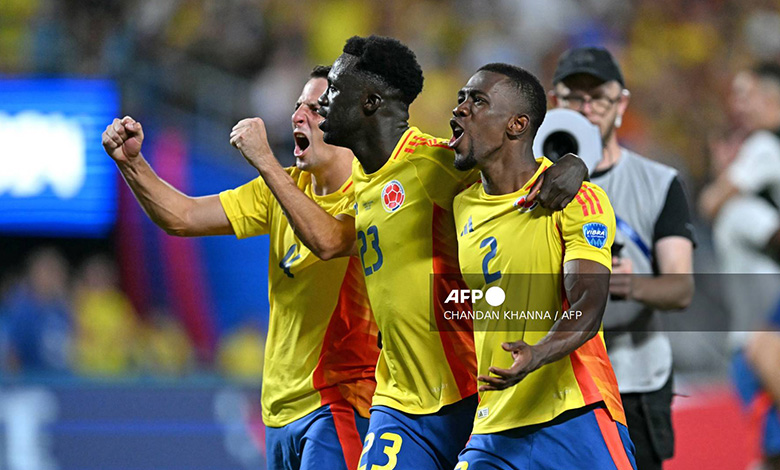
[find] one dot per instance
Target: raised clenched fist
(249, 136)
(122, 139)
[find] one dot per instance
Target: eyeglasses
(576, 102)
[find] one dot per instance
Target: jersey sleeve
(757, 164)
(247, 208)
(441, 181)
(587, 226)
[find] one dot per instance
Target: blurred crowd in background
(225, 60)
(202, 65)
(55, 319)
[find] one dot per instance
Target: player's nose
(460, 110)
(298, 116)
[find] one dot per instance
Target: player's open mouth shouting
(301, 142)
(457, 133)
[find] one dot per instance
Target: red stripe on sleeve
(592, 207)
(595, 198)
(582, 203)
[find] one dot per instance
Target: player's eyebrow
(313, 105)
(467, 91)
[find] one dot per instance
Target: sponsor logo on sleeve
(595, 233)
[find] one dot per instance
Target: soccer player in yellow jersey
(404, 186)
(322, 349)
(548, 395)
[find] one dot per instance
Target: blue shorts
(328, 438)
(755, 398)
(419, 442)
(585, 438)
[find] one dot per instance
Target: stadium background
(157, 364)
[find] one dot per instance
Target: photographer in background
(651, 269)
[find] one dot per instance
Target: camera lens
(559, 144)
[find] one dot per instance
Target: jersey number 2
(493, 244)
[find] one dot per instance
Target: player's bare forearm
(587, 288)
(325, 235)
(170, 209)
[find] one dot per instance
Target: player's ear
(372, 102)
(518, 125)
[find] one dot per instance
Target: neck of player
(327, 179)
(379, 138)
(508, 169)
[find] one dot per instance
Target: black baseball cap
(595, 61)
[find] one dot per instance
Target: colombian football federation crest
(595, 233)
(524, 206)
(393, 196)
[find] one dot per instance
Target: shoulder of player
(430, 155)
(426, 146)
(590, 202)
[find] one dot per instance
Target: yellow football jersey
(322, 338)
(522, 248)
(405, 233)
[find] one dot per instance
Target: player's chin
(331, 137)
(303, 164)
(464, 162)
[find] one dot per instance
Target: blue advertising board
(55, 179)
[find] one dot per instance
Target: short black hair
(767, 71)
(391, 61)
(320, 71)
(529, 88)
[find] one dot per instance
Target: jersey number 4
(288, 260)
(373, 233)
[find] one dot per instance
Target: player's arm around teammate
(173, 211)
